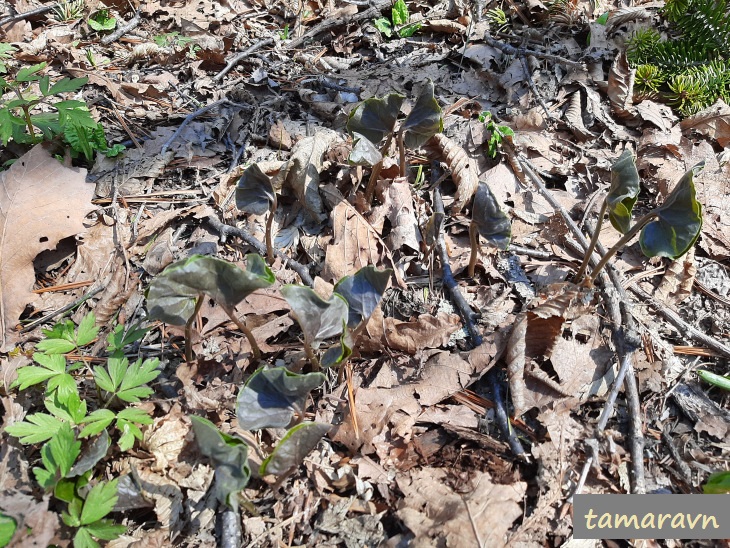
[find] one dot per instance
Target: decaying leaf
(463, 169)
(425, 332)
(676, 284)
(620, 88)
(41, 202)
(713, 122)
(574, 118)
(364, 152)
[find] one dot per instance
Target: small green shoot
(497, 133)
(714, 379)
(102, 20)
(398, 22)
(71, 10)
(284, 33)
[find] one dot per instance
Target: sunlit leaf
(493, 224)
(319, 319)
(375, 118)
(364, 152)
(363, 291)
(425, 119)
(399, 13)
(679, 223)
(624, 192)
(254, 191)
(718, 484)
(337, 353)
(296, 444)
(715, 379)
(271, 397)
(229, 456)
(172, 294)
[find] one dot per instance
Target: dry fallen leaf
(463, 169)
(41, 202)
(713, 122)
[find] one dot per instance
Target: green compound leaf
(425, 119)
(229, 456)
(363, 291)
(105, 529)
(399, 14)
(384, 26)
(172, 294)
(624, 192)
(31, 375)
(254, 192)
(718, 484)
(96, 422)
(30, 74)
(679, 223)
(409, 30)
(271, 397)
(36, 428)
(99, 502)
(126, 381)
(493, 224)
(375, 118)
(319, 319)
(364, 152)
(101, 20)
(293, 448)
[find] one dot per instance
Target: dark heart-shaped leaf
(364, 152)
(624, 192)
(229, 456)
(363, 291)
(254, 191)
(493, 224)
(337, 353)
(271, 397)
(172, 294)
(375, 118)
(425, 119)
(319, 319)
(679, 223)
(293, 448)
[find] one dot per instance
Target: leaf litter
(407, 460)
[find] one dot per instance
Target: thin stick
(269, 222)
(90, 293)
(592, 244)
(121, 31)
(227, 230)
(474, 241)
(63, 287)
(240, 57)
(31, 13)
(512, 50)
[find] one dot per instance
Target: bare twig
(121, 31)
(519, 51)
(31, 13)
(90, 293)
(475, 337)
(227, 230)
(233, 61)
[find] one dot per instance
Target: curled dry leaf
(574, 118)
(426, 332)
(620, 88)
(713, 122)
(41, 202)
(463, 169)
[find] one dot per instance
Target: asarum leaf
(271, 397)
(375, 118)
(294, 447)
(679, 221)
(493, 224)
(624, 192)
(363, 292)
(319, 319)
(337, 353)
(254, 191)
(229, 456)
(364, 152)
(172, 294)
(425, 119)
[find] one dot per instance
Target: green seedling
(176, 295)
(398, 22)
(255, 194)
(6, 53)
(497, 133)
(284, 33)
(489, 222)
(102, 20)
(669, 230)
(8, 526)
(497, 19)
(716, 380)
(72, 119)
(172, 39)
(375, 120)
(70, 10)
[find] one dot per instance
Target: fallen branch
(20, 16)
(121, 31)
(233, 61)
(521, 52)
(227, 230)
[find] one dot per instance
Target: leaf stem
(269, 239)
(474, 240)
(189, 331)
(641, 223)
(375, 173)
(246, 331)
(593, 242)
(311, 357)
(402, 153)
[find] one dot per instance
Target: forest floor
(415, 454)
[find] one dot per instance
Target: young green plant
(176, 294)
(668, 230)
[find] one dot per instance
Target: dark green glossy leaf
(492, 223)
(319, 319)
(229, 456)
(254, 191)
(172, 294)
(339, 352)
(29, 74)
(271, 397)
(375, 118)
(364, 152)
(425, 119)
(66, 85)
(363, 291)
(679, 223)
(293, 448)
(718, 484)
(624, 192)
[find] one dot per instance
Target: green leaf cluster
(690, 69)
(21, 120)
(398, 23)
(497, 133)
(102, 20)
